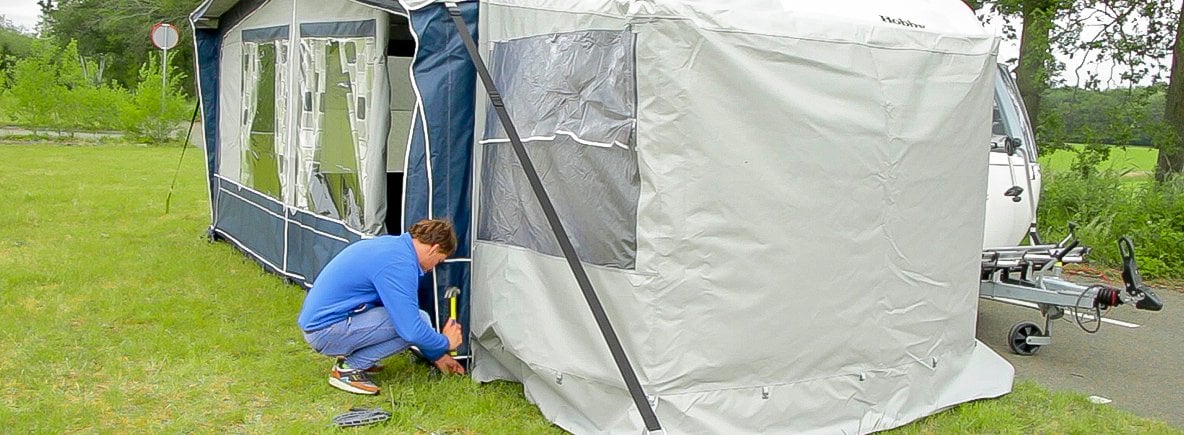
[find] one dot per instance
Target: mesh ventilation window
(572, 98)
(260, 163)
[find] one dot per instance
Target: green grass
(117, 317)
(1137, 160)
(1032, 409)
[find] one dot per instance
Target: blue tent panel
(252, 221)
(209, 53)
(312, 242)
(441, 148)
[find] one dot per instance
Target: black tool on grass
(361, 417)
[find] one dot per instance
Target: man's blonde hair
(435, 232)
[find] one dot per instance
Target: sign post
(164, 37)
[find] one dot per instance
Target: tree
(1132, 35)
(1036, 62)
(14, 44)
(35, 90)
(1171, 153)
(152, 112)
(50, 89)
(115, 32)
(1116, 116)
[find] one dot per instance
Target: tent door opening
(399, 52)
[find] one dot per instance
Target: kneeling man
(364, 306)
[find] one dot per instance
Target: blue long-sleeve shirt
(382, 269)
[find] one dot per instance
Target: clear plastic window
(572, 99)
(260, 162)
(333, 125)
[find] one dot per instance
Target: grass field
(118, 317)
(1138, 160)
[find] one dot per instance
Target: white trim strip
(419, 111)
(561, 132)
(1084, 316)
(277, 215)
(427, 158)
(286, 221)
(273, 200)
(458, 260)
(293, 112)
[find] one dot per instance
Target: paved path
(1140, 369)
(15, 131)
(195, 133)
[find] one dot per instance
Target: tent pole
(577, 268)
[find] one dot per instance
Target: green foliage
(14, 45)
(59, 89)
(1051, 134)
(34, 90)
(1113, 116)
(1106, 206)
(1088, 158)
(149, 115)
(116, 32)
(50, 89)
(1092, 117)
(1132, 38)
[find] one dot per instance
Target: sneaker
(372, 370)
(354, 381)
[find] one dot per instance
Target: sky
(22, 12)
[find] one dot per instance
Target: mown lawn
(118, 317)
(1137, 160)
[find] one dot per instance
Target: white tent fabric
(809, 221)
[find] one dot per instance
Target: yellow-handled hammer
(452, 293)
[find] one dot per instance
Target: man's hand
(452, 331)
(448, 366)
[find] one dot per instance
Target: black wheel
(1018, 338)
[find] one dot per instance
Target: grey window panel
(595, 192)
(572, 97)
(341, 29)
(265, 34)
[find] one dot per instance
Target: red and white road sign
(165, 36)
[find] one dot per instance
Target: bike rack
(1033, 274)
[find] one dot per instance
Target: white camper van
(1014, 175)
(1029, 274)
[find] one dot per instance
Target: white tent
(778, 203)
(788, 198)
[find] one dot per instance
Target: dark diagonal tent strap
(606, 328)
